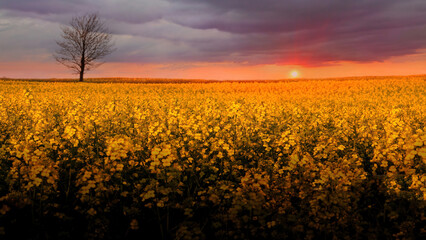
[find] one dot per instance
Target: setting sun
(294, 74)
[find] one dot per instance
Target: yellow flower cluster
(248, 160)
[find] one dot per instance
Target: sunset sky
(223, 39)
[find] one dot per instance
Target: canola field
(320, 159)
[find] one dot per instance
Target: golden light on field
(294, 74)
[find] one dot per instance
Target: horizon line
(209, 80)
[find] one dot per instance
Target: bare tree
(83, 42)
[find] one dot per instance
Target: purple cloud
(303, 32)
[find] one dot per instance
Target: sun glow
(294, 74)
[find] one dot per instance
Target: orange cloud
(405, 65)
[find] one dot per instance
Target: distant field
(292, 159)
(112, 80)
(176, 80)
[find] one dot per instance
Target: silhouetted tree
(83, 42)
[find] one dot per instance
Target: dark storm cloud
(250, 31)
(314, 31)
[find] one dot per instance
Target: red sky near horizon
(223, 39)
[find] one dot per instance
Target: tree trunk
(82, 66)
(81, 75)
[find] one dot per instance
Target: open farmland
(342, 159)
